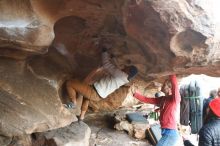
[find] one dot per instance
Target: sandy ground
(104, 134)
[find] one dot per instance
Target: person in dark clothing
(187, 143)
(218, 93)
(212, 95)
(209, 134)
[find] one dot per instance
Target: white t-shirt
(115, 78)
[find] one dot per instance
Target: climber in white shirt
(112, 78)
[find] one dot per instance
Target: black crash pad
(136, 118)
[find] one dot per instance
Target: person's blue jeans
(169, 137)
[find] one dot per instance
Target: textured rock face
(76, 134)
(159, 37)
(29, 97)
(21, 28)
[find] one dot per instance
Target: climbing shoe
(70, 105)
